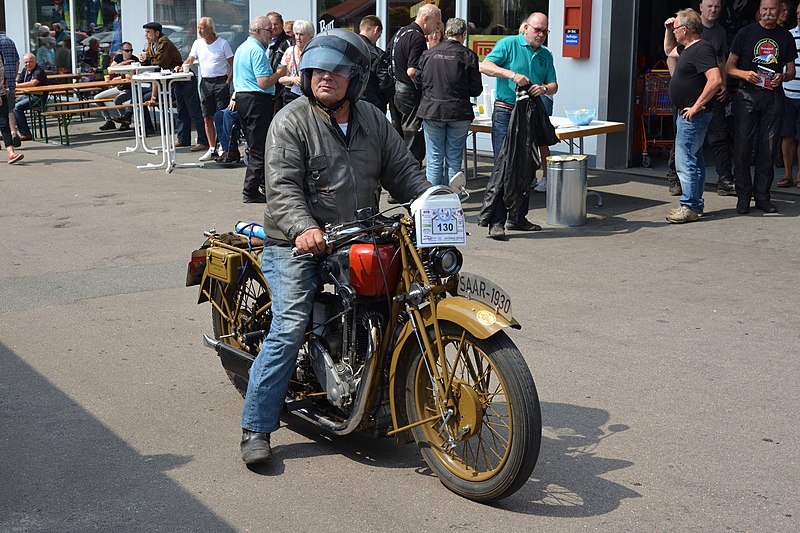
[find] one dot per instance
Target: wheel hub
(470, 409)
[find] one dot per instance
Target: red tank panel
(365, 271)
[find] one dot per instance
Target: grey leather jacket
(315, 177)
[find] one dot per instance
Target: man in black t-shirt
(759, 52)
(404, 52)
(31, 76)
(694, 83)
(719, 136)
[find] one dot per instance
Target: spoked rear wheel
(487, 448)
(239, 309)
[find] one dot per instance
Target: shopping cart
(658, 130)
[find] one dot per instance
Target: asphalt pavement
(665, 356)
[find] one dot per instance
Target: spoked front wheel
(483, 438)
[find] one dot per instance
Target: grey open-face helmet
(341, 52)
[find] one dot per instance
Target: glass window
(401, 14)
(491, 20)
(231, 19)
(179, 21)
(98, 19)
(501, 17)
(346, 15)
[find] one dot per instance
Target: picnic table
(64, 111)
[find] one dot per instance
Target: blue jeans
(187, 100)
(294, 283)
(24, 103)
(500, 119)
(224, 120)
(444, 147)
(689, 161)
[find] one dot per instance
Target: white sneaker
(541, 186)
(208, 156)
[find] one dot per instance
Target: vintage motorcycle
(400, 341)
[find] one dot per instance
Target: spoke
(481, 445)
(495, 413)
(496, 424)
(497, 435)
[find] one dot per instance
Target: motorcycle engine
(338, 348)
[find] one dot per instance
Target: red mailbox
(577, 28)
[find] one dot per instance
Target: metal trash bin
(566, 190)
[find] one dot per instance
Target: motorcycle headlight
(446, 261)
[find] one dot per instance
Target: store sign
(483, 44)
(571, 37)
(325, 22)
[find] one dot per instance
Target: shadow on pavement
(566, 482)
(63, 470)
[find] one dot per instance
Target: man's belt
(216, 78)
(498, 103)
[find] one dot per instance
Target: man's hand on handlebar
(311, 241)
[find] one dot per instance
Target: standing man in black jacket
(404, 54)
(380, 86)
(448, 76)
(279, 42)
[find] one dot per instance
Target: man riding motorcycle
(329, 154)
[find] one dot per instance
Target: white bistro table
(138, 109)
(165, 80)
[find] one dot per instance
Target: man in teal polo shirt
(517, 60)
(254, 90)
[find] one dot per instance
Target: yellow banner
(483, 44)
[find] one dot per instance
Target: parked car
(105, 38)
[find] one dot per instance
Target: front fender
(477, 318)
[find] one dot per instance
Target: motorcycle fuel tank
(366, 276)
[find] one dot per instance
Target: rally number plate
(477, 287)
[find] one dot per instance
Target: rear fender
(477, 318)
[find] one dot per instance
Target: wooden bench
(64, 116)
(77, 102)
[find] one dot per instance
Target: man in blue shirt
(254, 91)
(518, 60)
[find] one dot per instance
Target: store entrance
(653, 120)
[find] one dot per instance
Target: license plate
(477, 287)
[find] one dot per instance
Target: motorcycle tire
(495, 395)
(240, 300)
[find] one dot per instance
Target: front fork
(439, 375)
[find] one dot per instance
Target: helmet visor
(327, 59)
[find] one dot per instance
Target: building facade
(620, 39)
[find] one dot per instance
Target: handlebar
(337, 234)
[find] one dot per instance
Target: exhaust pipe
(233, 360)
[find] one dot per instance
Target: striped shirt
(792, 88)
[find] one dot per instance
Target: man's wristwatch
(544, 88)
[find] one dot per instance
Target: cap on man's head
(153, 26)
